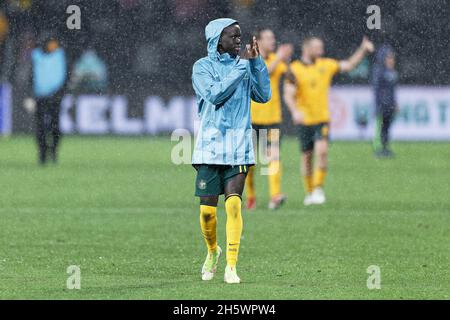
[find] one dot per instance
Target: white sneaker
(318, 196)
(210, 266)
(231, 275)
(308, 200)
(277, 201)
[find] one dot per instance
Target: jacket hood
(213, 31)
(381, 55)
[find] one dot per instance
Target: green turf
(126, 215)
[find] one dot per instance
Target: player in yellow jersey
(266, 118)
(306, 96)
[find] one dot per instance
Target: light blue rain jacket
(224, 86)
(49, 71)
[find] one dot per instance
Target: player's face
(52, 45)
(230, 40)
(390, 61)
(267, 41)
(315, 48)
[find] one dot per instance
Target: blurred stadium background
(149, 47)
(111, 204)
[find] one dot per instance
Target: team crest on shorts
(202, 184)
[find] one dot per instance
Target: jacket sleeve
(260, 81)
(215, 91)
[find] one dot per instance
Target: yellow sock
(319, 177)
(308, 183)
(274, 178)
(250, 183)
(208, 224)
(234, 228)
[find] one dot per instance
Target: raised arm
(289, 93)
(260, 81)
(215, 91)
(259, 76)
(356, 58)
(283, 54)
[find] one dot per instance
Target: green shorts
(211, 179)
(310, 134)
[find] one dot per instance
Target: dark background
(150, 46)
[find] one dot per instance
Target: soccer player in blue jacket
(224, 83)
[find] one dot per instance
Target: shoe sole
(231, 282)
(279, 204)
(318, 202)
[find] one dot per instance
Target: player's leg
(388, 115)
(234, 187)
(250, 190)
(40, 130)
(376, 144)
(208, 225)
(273, 154)
(321, 149)
(208, 221)
(320, 172)
(305, 135)
(306, 168)
(208, 189)
(54, 127)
